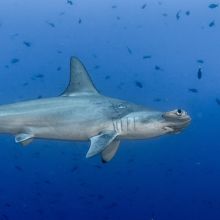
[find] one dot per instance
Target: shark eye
(179, 112)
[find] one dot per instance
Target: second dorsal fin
(80, 81)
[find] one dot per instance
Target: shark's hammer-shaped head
(176, 120)
(152, 123)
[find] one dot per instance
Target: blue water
(172, 177)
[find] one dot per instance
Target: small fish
(157, 67)
(14, 60)
(14, 35)
(200, 61)
(165, 14)
(187, 13)
(199, 73)
(62, 13)
(129, 50)
(157, 100)
(39, 75)
(18, 168)
(74, 169)
(213, 5)
(138, 84)
(114, 6)
(40, 96)
(146, 57)
(212, 23)
(143, 6)
(25, 84)
(58, 68)
(51, 24)
(26, 43)
(47, 182)
(178, 15)
(107, 77)
(7, 204)
(217, 101)
(193, 90)
(69, 2)
(80, 21)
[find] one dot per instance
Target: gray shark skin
(82, 113)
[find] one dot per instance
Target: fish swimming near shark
(81, 113)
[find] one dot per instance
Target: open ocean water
(163, 54)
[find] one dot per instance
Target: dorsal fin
(80, 81)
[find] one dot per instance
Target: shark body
(82, 113)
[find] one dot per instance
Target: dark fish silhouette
(129, 50)
(26, 43)
(39, 75)
(25, 84)
(74, 169)
(114, 6)
(7, 205)
(178, 15)
(107, 77)
(157, 100)
(69, 2)
(200, 61)
(18, 168)
(51, 24)
(47, 182)
(58, 68)
(143, 6)
(193, 90)
(199, 73)
(138, 84)
(157, 67)
(187, 13)
(147, 57)
(80, 21)
(14, 60)
(212, 23)
(213, 5)
(217, 101)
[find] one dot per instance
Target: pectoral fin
(100, 142)
(110, 151)
(24, 139)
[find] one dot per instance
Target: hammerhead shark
(81, 113)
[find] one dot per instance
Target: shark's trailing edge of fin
(110, 151)
(80, 81)
(100, 143)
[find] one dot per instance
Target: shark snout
(177, 119)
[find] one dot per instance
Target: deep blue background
(172, 177)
